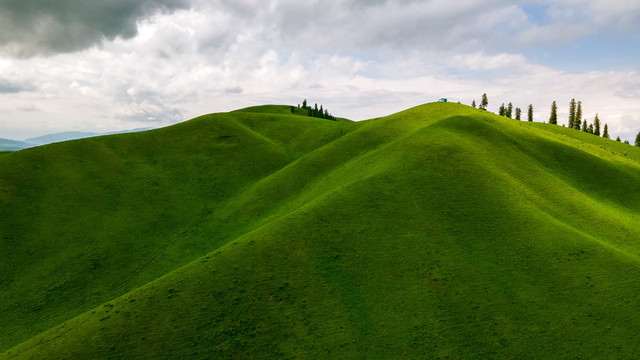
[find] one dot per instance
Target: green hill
(441, 231)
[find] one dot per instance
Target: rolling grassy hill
(441, 231)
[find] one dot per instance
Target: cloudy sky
(98, 66)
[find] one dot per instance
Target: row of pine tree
(505, 110)
(575, 117)
(315, 111)
(576, 122)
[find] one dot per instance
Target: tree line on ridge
(575, 120)
(315, 111)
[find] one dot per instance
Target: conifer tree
(518, 113)
(553, 119)
(618, 139)
(316, 112)
(473, 104)
(509, 111)
(572, 113)
(584, 126)
(502, 111)
(485, 102)
(596, 126)
(530, 113)
(605, 133)
(638, 139)
(590, 129)
(578, 120)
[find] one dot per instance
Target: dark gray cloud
(35, 27)
(10, 87)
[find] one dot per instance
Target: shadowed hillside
(440, 231)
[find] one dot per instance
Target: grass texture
(441, 231)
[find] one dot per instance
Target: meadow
(442, 231)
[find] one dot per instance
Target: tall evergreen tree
(585, 128)
(502, 111)
(590, 129)
(638, 139)
(596, 126)
(518, 113)
(321, 112)
(473, 104)
(572, 113)
(605, 133)
(509, 111)
(530, 113)
(553, 119)
(485, 102)
(578, 120)
(618, 139)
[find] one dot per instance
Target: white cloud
(481, 62)
(360, 59)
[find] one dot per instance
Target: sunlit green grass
(441, 231)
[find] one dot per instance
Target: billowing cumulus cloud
(438, 26)
(163, 61)
(31, 27)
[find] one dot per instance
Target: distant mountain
(13, 145)
(72, 135)
(58, 137)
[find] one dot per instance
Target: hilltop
(440, 231)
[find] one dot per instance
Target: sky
(101, 66)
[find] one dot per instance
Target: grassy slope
(439, 231)
(86, 221)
